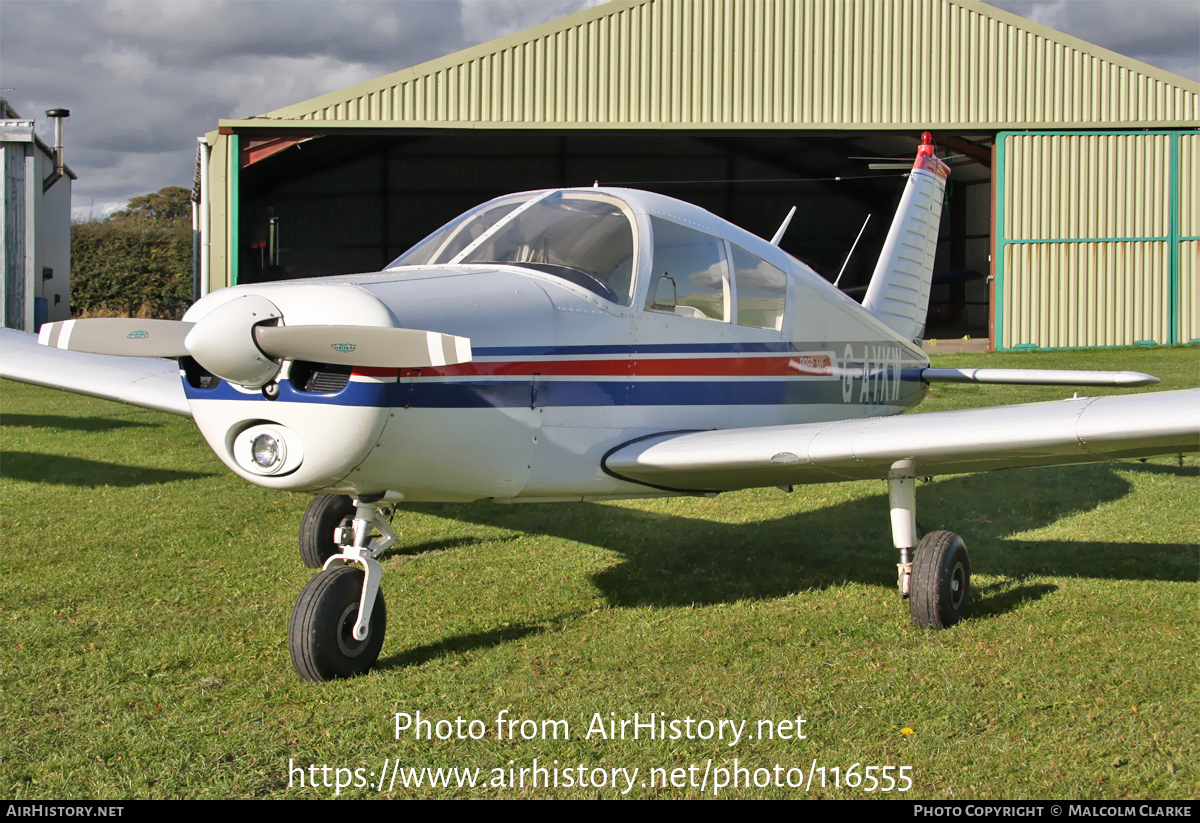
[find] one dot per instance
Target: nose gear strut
(368, 514)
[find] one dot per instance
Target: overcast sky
(144, 78)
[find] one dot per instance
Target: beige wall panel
(218, 214)
(1189, 291)
(1085, 186)
(772, 63)
(1085, 294)
(1189, 185)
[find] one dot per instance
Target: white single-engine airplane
(584, 344)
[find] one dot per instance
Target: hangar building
(1072, 218)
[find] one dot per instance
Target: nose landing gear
(339, 620)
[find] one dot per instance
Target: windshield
(581, 237)
(452, 238)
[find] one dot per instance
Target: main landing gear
(936, 577)
(339, 621)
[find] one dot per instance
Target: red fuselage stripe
(785, 366)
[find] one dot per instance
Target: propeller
(122, 336)
(243, 342)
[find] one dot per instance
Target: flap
(1079, 430)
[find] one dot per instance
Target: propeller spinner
(243, 341)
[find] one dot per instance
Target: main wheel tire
(320, 634)
(940, 589)
(324, 515)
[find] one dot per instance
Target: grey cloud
(143, 79)
(193, 34)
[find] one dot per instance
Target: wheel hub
(345, 636)
(957, 585)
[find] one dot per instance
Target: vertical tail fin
(899, 292)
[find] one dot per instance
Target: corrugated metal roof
(845, 64)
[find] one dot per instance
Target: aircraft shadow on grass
(676, 561)
(60, 470)
(459, 644)
(83, 424)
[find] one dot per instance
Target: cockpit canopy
(587, 237)
(580, 236)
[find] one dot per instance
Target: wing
(139, 381)
(1082, 430)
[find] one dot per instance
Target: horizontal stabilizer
(1039, 377)
(1080, 430)
(146, 382)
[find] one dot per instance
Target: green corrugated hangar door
(1096, 237)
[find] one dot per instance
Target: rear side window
(689, 275)
(761, 291)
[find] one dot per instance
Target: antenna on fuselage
(852, 248)
(779, 233)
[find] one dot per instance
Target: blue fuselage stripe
(607, 393)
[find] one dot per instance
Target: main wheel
(320, 634)
(940, 589)
(324, 515)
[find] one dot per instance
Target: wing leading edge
(139, 381)
(1081, 430)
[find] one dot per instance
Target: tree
(171, 206)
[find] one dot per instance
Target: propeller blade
(123, 336)
(364, 345)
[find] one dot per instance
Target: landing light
(266, 451)
(268, 448)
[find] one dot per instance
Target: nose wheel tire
(940, 588)
(320, 634)
(324, 515)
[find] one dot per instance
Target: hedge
(126, 268)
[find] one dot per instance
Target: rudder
(898, 295)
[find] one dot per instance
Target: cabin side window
(761, 291)
(689, 274)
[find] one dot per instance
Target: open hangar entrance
(316, 205)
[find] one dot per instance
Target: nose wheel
(338, 623)
(321, 632)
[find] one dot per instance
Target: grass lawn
(145, 596)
